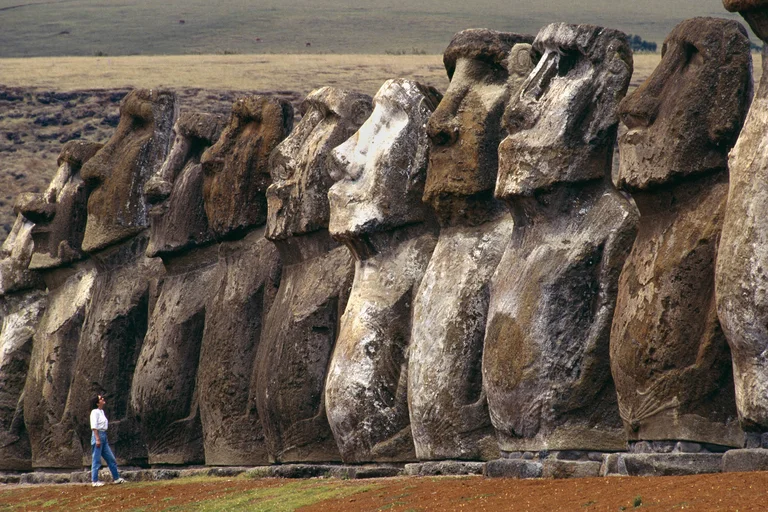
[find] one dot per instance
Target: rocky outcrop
(376, 210)
(248, 267)
(300, 330)
(742, 258)
(669, 356)
(546, 369)
(448, 410)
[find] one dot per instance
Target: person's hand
(98, 442)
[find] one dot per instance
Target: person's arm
(94, 415)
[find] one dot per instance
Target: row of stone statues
(407, 277)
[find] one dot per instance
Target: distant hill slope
(126, 27)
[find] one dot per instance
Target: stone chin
(352, 218)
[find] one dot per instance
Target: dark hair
(95, 401)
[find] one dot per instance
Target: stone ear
(520, 61)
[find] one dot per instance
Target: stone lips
(236, 166)
(582, 74)
(683, 119)
(116, 175)
(669, 355)
(298, 197)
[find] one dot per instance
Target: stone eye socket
(567, 62)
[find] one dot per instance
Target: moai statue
(59, 215)
(669, 355)
(164, 393)
(448, 409)
(300, 330)
(116, 240)
(546, 369)
(22, 302)
(236, 180)
(742, 258)
(376, 210)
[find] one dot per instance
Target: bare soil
(717, 492)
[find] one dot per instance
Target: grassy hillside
(127, 27)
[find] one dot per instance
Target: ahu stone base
(445, 468)
(749, 459)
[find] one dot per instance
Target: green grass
(126, 27)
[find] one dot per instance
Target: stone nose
(443, 125)
(34, 207)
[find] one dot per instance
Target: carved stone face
(15, 255)
(562, 123)
(60, 213)
(236, 167)
(380, 170)
(117, 173)
(465, 129)
(175, 193)
(298, 196)
(687, 115)
(754, 11)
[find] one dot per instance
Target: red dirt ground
(719, 492)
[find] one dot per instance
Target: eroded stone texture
(300, 330)
(742, 258)
(20, 311)
(117, 173)
(546, 369)
(249, 274)
(177, 212)
(376, 210)
(15, 256)
(236, 167)
(669, 356)
(164, 394)
(448, 409)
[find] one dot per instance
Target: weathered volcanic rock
(60, 216)
(742, 259)
(669, 356)
(300, 330)
(117, 173)
(20, 311)
(546, 369)
(236, 167)
(449, 414)
(376, 210)
(249, 274)
(116, 320)
(59, 213)
(164, 392)
(177, 214)
(16, 254)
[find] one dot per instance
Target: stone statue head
(15, 255)
(236, 166)
(298, 196)
(754, 11)
(59, 214)
(116, 175)
(562, 123)
(465, 129)
(685, 118)
(380, 170)
(175, 193)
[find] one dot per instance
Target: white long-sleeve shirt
(98, 420)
